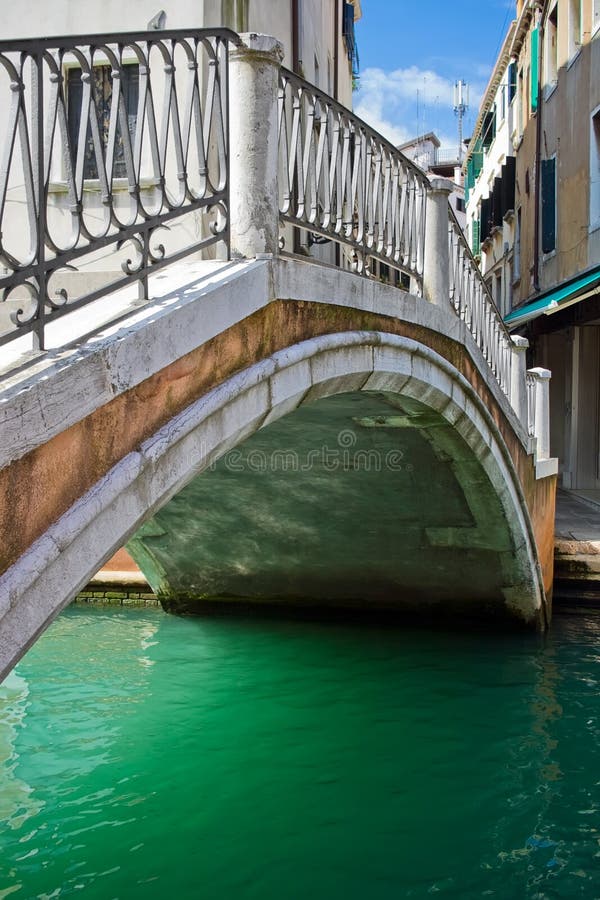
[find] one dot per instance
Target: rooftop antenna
(461, 105)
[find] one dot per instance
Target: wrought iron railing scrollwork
(114, 143)
(475, 306)
(341, 180)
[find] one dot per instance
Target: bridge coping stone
(51, 397)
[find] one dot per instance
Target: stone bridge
(268, 428)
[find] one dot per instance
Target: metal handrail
(342, 180)
(173, 162)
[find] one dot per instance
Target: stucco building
(547, 249)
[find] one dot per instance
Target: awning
(557, 299)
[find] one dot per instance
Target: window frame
(90, 179)
(575, 33)
(549, 251)
(594, 210)
(551, 32)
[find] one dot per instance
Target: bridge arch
(56, 567)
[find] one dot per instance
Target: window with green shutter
(488, 128)
(477, 159)
(512, 81)
(548, 205)
(475, 242)
(534, 68)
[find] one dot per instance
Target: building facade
(489, 170)
(551, 292)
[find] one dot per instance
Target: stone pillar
(518, 378)
(542, 411)
(253, 151)
(436, 265)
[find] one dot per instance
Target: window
(349, 37)
(498, 290)
(512, 80)
(535, 51)
(548, 205)
(475, 243)
(574, 27)
(595, 171)
(102, 87)
(488, 128)
(551, 54)
(520, 101)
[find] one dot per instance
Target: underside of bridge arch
(365, 499)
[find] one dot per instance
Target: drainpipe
(538, 148)
(296, 242)
(296, 36)
(336, 41)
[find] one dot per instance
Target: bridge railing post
(253, 91)
(436, 262)
(538, 381)
(518, 378)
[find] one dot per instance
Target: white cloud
(404, 102)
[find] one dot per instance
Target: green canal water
(143, 755)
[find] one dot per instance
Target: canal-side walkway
(577, 550)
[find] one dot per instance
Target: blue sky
(412, 52)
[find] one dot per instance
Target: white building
(426, 152)
(489, 170)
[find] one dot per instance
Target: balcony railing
(109, 142)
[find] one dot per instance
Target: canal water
(143, 755)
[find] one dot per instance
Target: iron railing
(110, 138)
(339, 179)
(474, 304)
(97, 155)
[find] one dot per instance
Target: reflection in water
(246, 759)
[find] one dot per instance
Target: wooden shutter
(548, 205)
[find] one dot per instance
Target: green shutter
(534, 68)
(475, 242)
(470, 173)
(548, 205)
(512, 81)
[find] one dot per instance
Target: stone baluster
(542, 411)
(436, 264)
(518, 377)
